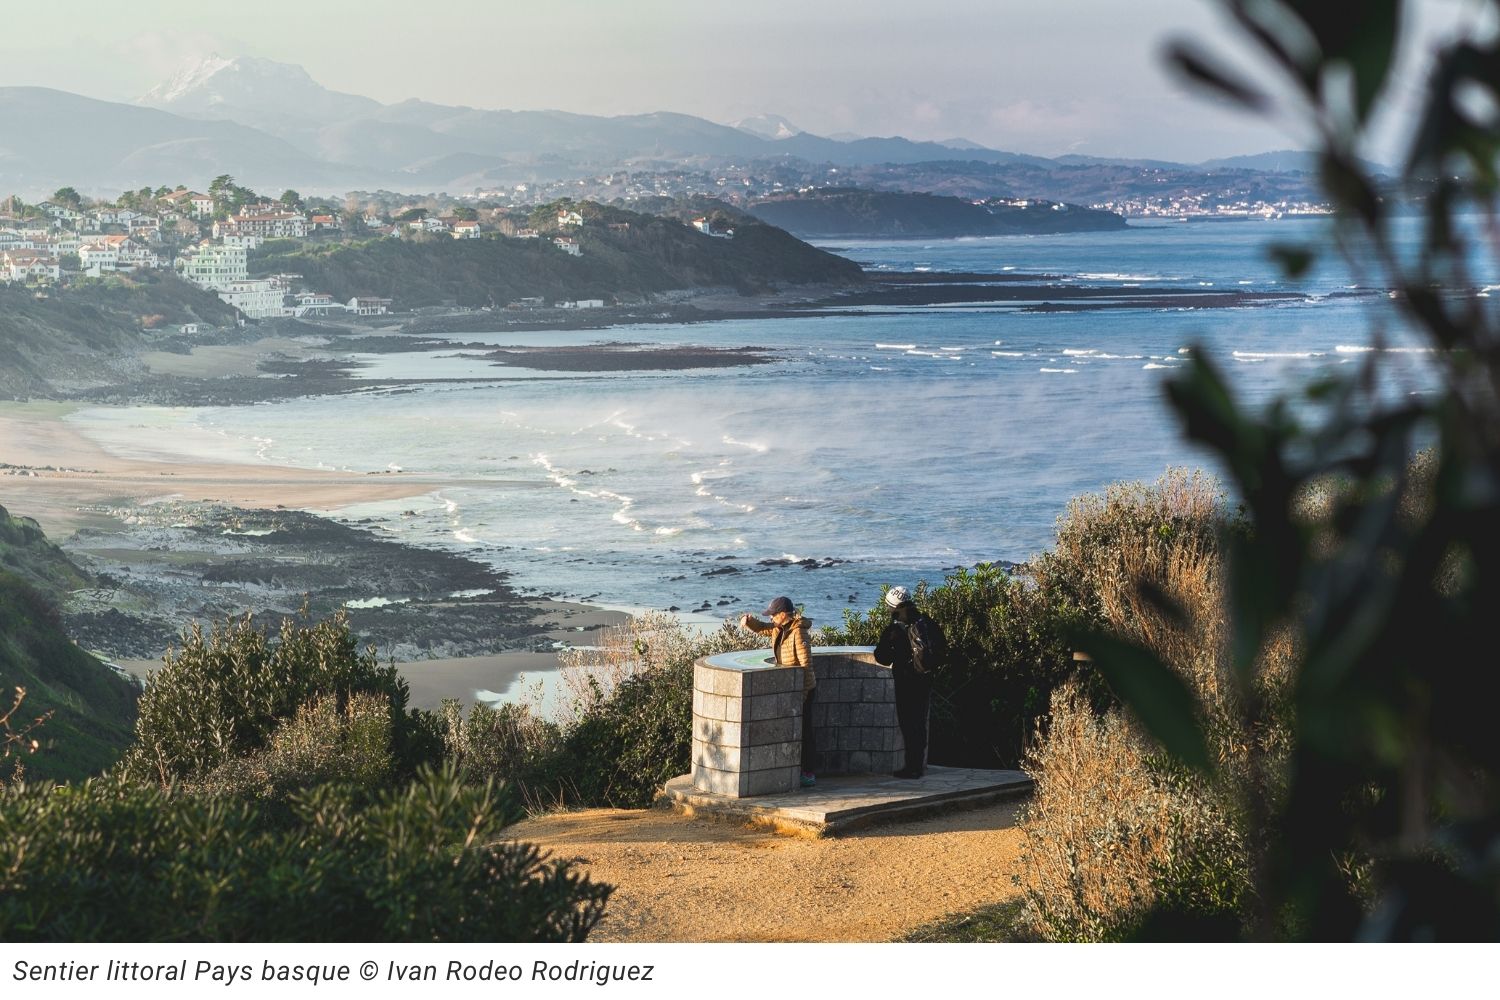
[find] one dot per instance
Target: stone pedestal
(747, 720)
(747, 726)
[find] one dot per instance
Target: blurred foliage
(1388, 826)
(115, 861)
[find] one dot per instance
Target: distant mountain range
(271, 125)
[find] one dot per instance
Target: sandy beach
(49, 471)
(153, 528)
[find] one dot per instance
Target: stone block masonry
(747, 720)
(747, 725)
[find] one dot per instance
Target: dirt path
(680, 879)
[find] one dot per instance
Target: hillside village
(210, 239)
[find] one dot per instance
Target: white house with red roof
(24, 267)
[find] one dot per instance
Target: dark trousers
(809, 752)
(913, 694)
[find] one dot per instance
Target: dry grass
(650, 641)
(16, 744)
(1115, 828)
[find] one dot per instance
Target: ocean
(877, 449)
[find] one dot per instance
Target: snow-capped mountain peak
(189, 78)
(255, 88)
(767, 127)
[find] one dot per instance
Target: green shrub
(114, 861)
(223, 696)
(1007, 653)
(632, 742)
(509, 743)
(625, 722)
(323, 743)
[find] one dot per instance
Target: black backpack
(929, 651)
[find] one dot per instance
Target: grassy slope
(94, 710)
(655, 254)
(73, 328)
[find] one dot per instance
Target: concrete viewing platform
(839, 803)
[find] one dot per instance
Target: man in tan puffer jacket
(791, 641)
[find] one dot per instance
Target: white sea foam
(1151, 364)
(895, 347)
(753, 446)
(465, 536)
(702, 490)
(1060, 371)
(622, 513)
(477, 592)
(1266, 355)
(1008, 354)
(375, 602)
(1079, 352)
(1117, 276)
(1353, 349)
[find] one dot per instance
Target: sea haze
(884, 448)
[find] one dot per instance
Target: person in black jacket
(913, 679)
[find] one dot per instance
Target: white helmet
(897, 596)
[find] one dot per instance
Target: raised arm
(755, 624)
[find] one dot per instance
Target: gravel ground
(679, 879)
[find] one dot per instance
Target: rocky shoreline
(170, 564)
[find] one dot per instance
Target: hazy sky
(1040, 77)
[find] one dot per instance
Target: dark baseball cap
(778, 605)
